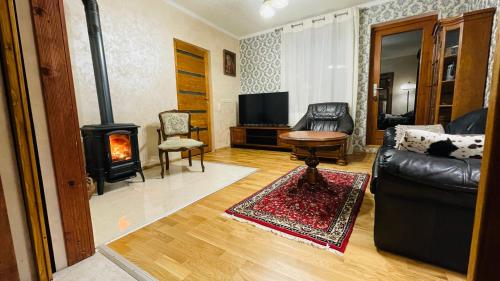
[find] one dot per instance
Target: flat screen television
(266, 109)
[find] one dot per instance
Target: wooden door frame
(485, 247)
(63, 127)
(208, 85)
(24, 138)
(425, 22)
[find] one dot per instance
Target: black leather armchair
(424, 205)
(331, 116)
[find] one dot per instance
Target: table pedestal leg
(311, 178)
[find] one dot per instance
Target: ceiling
(241, 17)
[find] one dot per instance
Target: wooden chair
(177, 123)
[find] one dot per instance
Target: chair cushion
(179, 143)
(175, 123)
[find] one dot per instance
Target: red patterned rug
(321, 218)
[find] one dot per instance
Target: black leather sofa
(424, 205)
(330, 116)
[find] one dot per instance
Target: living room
(249, 140)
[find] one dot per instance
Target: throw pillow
(401, 129)
(444, 145)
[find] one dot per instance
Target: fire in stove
(120, 147)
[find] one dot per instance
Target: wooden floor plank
(197, 243)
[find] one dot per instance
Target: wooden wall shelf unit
(462, 42)
(259, 137)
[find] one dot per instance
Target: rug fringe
(282, 234)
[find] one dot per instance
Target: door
(400, 75)
(193, 89)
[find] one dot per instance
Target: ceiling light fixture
(279, 4)
(268, 6)
(266, 10)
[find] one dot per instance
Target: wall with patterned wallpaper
(261, 63)
(254, 49)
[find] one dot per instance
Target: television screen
(267, 109)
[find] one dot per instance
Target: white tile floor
(95, 268)
(129, 205)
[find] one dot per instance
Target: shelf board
(445, 105)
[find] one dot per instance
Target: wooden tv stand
(259, 137)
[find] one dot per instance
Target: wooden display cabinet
(460, 65)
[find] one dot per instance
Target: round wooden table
(311, 141)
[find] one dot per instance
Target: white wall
(405, 70)
(138, 39)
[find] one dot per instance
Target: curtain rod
(316, 20)
(313, 21)
(341, 14)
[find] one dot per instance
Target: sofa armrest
(390, 137)
(438, 172)
(384, 151)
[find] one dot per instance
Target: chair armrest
(197, 129)
(301, 125)
(346, 124)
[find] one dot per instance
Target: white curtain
(319, 61)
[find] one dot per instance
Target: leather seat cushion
(179, 143)
(440, 172)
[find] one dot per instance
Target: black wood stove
(111, 153)
(111, 150)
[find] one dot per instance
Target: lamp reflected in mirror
(408, 88)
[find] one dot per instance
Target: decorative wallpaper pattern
(261, 63)
(252, 50)
(141, 67)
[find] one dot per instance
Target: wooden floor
(197, 243)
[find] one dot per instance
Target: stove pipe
(99, 61)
